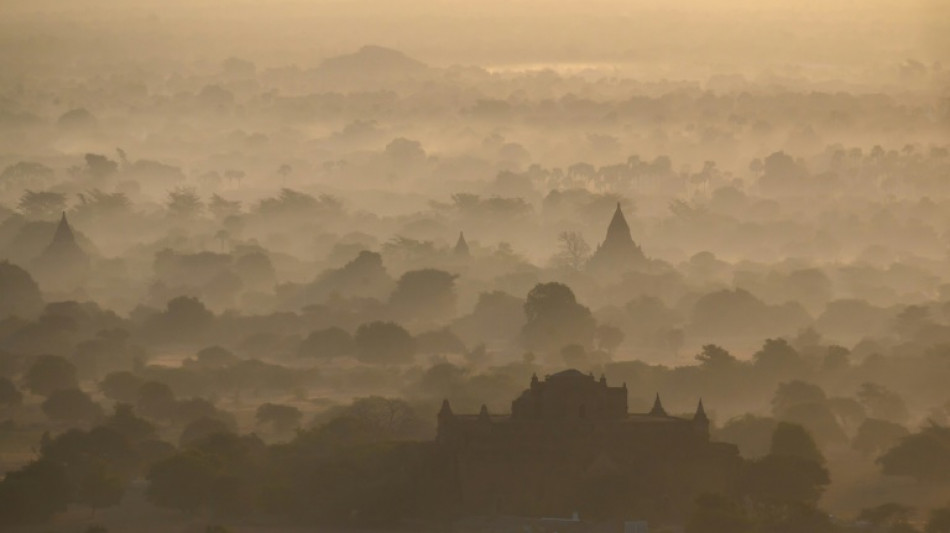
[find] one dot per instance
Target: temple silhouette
(461, 246)
(570, 445)
(618, 252)
(62, 265)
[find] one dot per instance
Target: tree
(716, 513)
(818, 419)
(883, 403)
(184, 481)
(327, 344)
(26, 171)
(784, 480)
(99, 166)
(99, 488)
(201, 428)
(371, 419)
(155, 400)
(574, 251)
(384, 343)
(608, 337)
(876, 436)
(124, 422)
(752, 434)
(184, 203)
(778, 358)
(222, 208)
(21, 294)
(555, 319)
(185, 319)
(122, 386)
(939, 521)
(781, 173)
(33, 493)
(716, 357)
(427, 294)
(281, 418)
(50, 373)
(71, 405)
(9, 395)
(439, 341)
(42, 204)
(794, 440)
(924, 455)
(792, 393)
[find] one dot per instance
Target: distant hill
(372, 62)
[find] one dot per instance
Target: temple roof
(618, 230)
(618, 251)
(64, 245)
(63, 232)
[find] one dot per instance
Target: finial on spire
(657, 407)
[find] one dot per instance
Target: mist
(475, 267)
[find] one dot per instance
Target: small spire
(534, 379)
(446, 409)
(700, 412)
(63, 232)
(657, 407)
(483, 413)
(461, 246)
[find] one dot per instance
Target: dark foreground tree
(939, 520)
(34, 493)
(184, 481)
(716, 513)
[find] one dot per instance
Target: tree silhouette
(924, 455)
(384, 343)
(71, 405)
(427, 294)
(42, 204)
(33, 493)
(716, 513)
(574, 251)
(281, 418)
(10, 396)
(327, 343)
(50, 373)
(555, 319)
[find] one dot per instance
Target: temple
(618, 252)
(461, 247)
(571, 446)
(63, 265)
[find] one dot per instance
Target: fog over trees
(475, 267)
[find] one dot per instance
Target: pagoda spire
(657, 407)
(618, 230)
(64, 233)
(700, 415)
(446, 410)
(461, 246)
